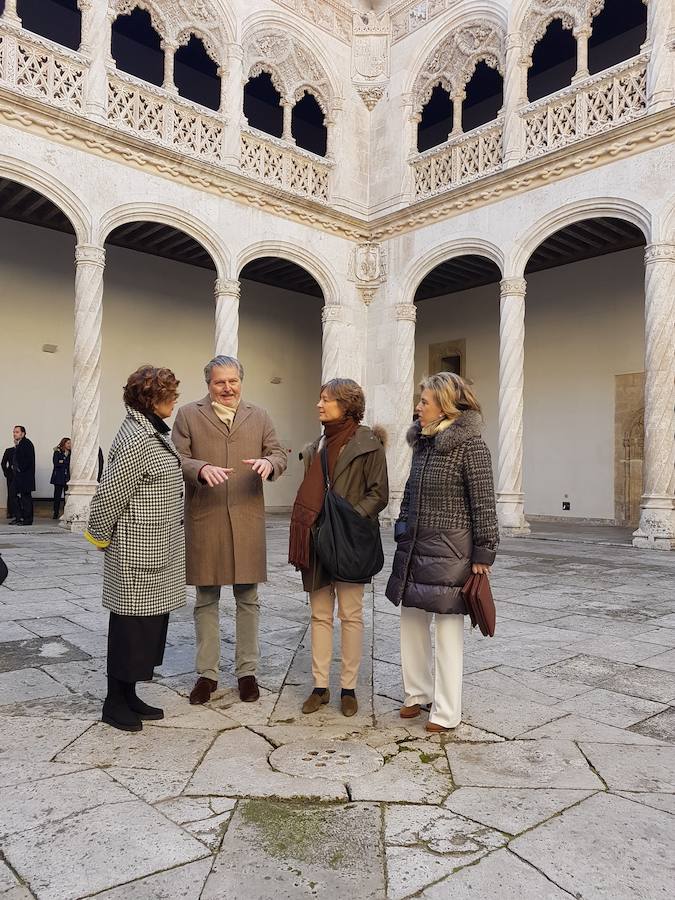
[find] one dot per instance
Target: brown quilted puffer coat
(448, 518)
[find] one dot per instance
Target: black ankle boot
(116, 711)
(138, 706)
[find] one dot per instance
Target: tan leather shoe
(410, 712)
(248, 689)
(201, 692)
(436, 729)
(349, 705)
(315, 701)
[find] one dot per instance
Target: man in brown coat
(229, 447)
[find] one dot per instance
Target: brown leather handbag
(480, 604)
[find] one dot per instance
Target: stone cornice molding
(513, 287)
(645, 133)
(333, 16)
(90, 254)
(659, 252)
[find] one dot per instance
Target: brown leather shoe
(315, 701)
(436, 729)
(349, 705)
(410, 712)
(201, 692)
(248, 689)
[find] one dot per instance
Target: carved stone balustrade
(604, 101)
(459, 161)
(151, 113)
(274, 162)
(41, 69)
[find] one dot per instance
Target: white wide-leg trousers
(425, 679)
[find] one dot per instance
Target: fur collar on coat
(467, 426)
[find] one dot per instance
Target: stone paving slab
(521, 764)
(634, 768)
(289, 851)
(99, 849)
(27, 684)
(500, 875)
(611, 707)
(184, 882)
(631, 853)
(661, 726)
(579, 728)
(512, 810)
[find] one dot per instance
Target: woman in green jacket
(357, 468)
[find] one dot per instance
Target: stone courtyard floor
(559, 783)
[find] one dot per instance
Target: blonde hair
(452, 393)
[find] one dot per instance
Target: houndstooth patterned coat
(138, 507)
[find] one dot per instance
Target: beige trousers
(442, 685)
(350, 613)
(207, 628)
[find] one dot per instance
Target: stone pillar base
(657, 525)
(78, 500)
(512, 521)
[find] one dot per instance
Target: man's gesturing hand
(214, 475)
(262, 466)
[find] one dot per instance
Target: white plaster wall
(584, 324)
(155, 311)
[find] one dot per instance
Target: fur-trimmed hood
(376, 431)
(467, 426)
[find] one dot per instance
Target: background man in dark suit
(8, 472)
(23, 466)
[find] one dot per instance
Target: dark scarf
(309, 500)
(156, 421)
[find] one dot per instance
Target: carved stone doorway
(629, 438)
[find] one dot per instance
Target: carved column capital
(663, 252)
(513, 287)
(90, 253)
(331, 312)
(405, 312)
(227, 287)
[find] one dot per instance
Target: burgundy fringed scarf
(309, 500)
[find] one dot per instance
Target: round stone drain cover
(326, 759)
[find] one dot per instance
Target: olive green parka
(360, 477)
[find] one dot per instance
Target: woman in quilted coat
(447, 528)
(136, 517)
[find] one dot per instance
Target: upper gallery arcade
(384, 164)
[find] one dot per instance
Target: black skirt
(136, 646)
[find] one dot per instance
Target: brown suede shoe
(201, 692)
(349, 705)
(315, 701)
(436, 729)
(248, 689)
(410, 712)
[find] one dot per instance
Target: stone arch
(217, 53)
(460, 247)
(211, 20)
(61, 196)
(666, 231)
(204, 234)
(153, 9)
(612, 207)
(316, 267)
(534, 17)
(289, 58)
(453, 59)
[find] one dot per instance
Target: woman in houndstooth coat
(136, 516)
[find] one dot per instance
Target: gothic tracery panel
(292, 66)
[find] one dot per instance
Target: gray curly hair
(227, 362)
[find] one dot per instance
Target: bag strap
(324, 466)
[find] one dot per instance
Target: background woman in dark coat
(357, 467)
(447, 528)
(60, 473)
(136, 516)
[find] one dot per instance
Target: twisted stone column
(510, 499)
(402, 397)
(89, 268)
(515, 89)
(232, 102)
(96, 46)
(660, 23)
(226, 293)
(657, 515)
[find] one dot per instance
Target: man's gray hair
(227, 362)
